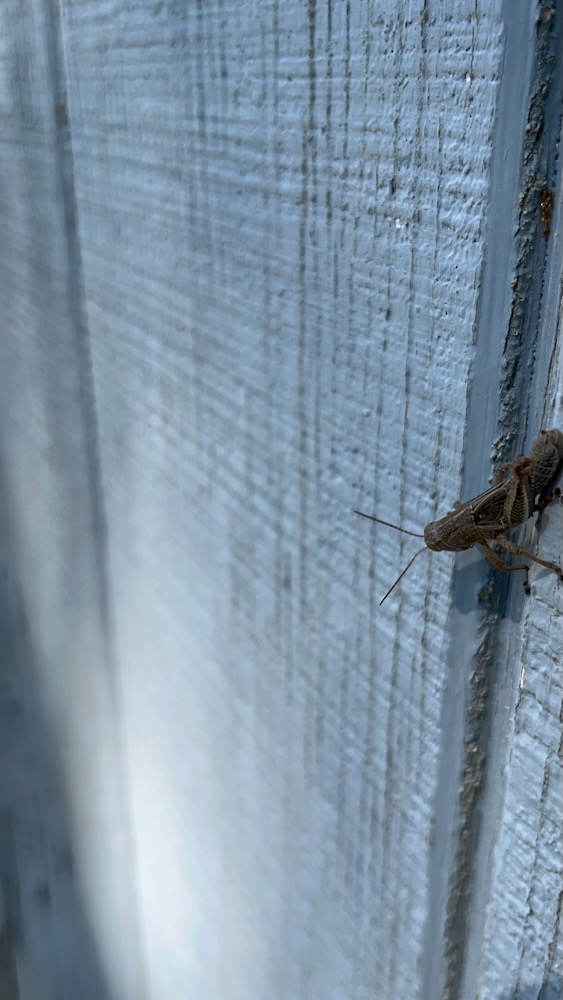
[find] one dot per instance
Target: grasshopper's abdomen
(546, 457)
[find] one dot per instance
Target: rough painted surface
(521, 940)
(241, 282)
(69, 909)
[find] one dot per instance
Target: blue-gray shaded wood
(259, 265)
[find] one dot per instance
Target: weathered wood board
(261, 264)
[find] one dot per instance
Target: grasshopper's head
(433, 537)
(448, 534)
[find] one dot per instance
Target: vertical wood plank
(263, 264)
(282, 309)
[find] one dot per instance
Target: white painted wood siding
(262, 263)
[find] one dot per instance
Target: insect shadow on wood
(520, 488)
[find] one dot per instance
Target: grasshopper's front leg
(519, 551)
(545, 502)
(499, 563)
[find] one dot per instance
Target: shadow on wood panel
(47, 949)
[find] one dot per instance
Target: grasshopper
(519, 489)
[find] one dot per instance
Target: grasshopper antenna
(401, 575)
(370, 517)
(388, 524)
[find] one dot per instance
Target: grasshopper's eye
(478, 518)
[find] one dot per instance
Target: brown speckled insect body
(519, 489)
(546, 209)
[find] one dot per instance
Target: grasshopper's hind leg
(499, 563)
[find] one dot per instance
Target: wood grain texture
(282, 315)
(272, 248)
(70, 917)
(522, 937)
